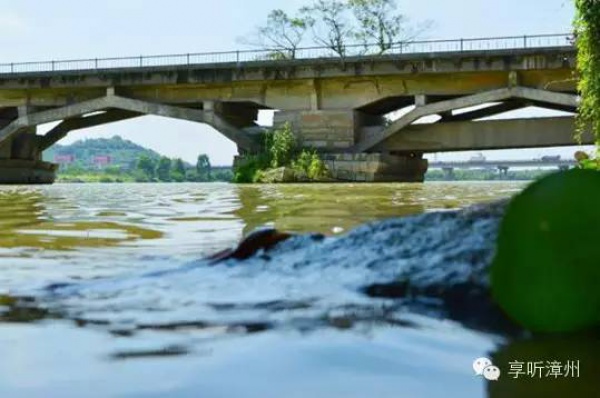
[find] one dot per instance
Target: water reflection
(27, 219)
(325, 209)
(66, 235)
(331, 209)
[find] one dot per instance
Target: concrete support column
(421, 100)
(6, 148)
(328, 130)
(25, 145)
(376, 167)
(503, 170)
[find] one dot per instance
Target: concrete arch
(120, 108)
(541, 97)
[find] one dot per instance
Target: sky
(34, 30)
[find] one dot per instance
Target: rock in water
(436, 261)
(263, 239)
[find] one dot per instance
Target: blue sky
(42, 30)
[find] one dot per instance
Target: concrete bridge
(337, 106)
(501, 165)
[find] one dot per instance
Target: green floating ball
(546, 273)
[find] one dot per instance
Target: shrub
(281, 145)
(245, 172)
(311, 164)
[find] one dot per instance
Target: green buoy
(546, 273)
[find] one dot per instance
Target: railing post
(237, 56)
(96, 63)
(187, 56)
(525, 41)
(141, 60)
(462, 45)
(12, 67)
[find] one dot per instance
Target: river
(219, 331)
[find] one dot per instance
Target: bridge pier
(21, 148)
(334, 132)
(503, 171)
(21, 160)
(376, 167)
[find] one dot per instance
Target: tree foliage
(587, 32)
(147, 166)
(282, 34)
(280, 149)
(282, 146)
(330, 24)
(163, 170)
(178, 171)
(203, 168)
(379, 23)
(123, 153)
(334, 24)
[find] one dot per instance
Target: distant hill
(123, 153)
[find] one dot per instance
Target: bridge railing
(371, 50)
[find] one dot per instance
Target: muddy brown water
(216, 331)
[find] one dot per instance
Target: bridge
(501, 165)
(335, 105)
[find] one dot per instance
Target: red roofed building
(101, 161)
(64, 159)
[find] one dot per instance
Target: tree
(282, 146)
(380, 24)
(282, 34)
(163, 170)
(329, 22)
(178, 172)
(587, 33)
(203, 168)
(147, 166)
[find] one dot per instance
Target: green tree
(282, 146)
(379, 23)
(587, 33)
(146, 166)
(330, 24)
(178, 172)
(203, 167)
(282, 34)
(163, 170)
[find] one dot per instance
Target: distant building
(64, 159)
(101, 161)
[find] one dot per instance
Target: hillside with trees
(123, 153)
(118, 160)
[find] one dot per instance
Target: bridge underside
(457, 126)
(21, 148)
(340, 109)
(358, 145)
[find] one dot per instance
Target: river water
(217, 331)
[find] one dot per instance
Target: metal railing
(239, 56)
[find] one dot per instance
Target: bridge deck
(255, 58)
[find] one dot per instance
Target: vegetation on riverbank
(280, 152)
(118, 160)
(487, 175)
(587, 35)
